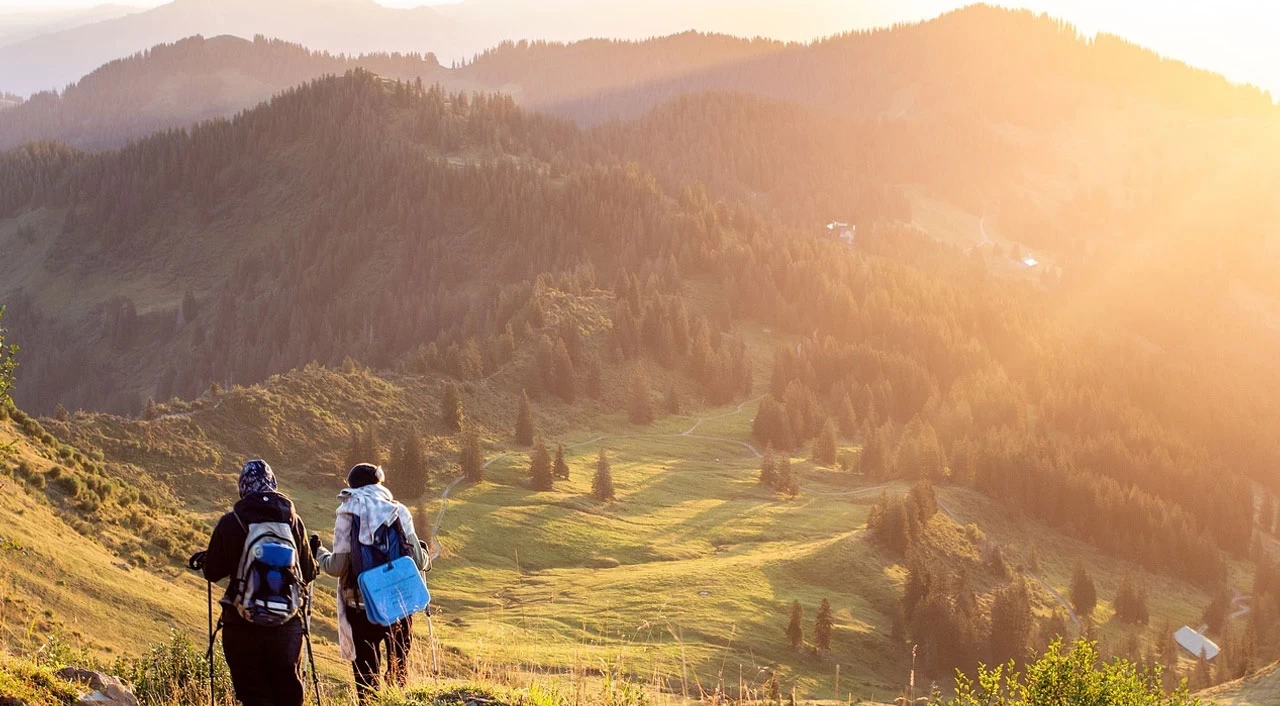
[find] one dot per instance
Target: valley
(1022, 411)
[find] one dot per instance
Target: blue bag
(391, 587)
(393, 592)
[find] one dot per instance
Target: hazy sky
(1235, 37)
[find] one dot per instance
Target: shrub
(24, 682)
(54, 473)
(89, 502)
(1067, 676)
(175, 672)
(975, 534)
(71, 485)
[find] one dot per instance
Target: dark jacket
(223, 557)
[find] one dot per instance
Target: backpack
(268, 580)
(389, 584)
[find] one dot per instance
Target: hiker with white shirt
(377, 559)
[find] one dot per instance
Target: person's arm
(306, 561)
(416, 548)
(224, 550)
(335, 563)
(419, 553)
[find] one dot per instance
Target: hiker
(261, 546)
(368, 507)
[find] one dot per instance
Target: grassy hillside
(61, 582)
(682, 583)
(1254, 690)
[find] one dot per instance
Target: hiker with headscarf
(261, 545)
(366, 515)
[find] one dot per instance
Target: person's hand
(314, 542)
(196, 562)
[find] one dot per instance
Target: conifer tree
(824, 447)
(540, 467)
(795, 628)
(560, 469)
(524, 421)
(1167, 650)
(1084, 595)
(1131, 601)
(1202, 677)
(355, 448)
(847, 417)
(672, 401)
(823, 624)
(640, 407)
(60, 413)
(595, 377)
(151, 412)
(408, 475)
(1011, 623)
(472, 457)
(784, 479)
(372, 446)
(768, 475)
(873, 461)
(602, 481)
(564, 384)
(451, 408)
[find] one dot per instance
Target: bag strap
(239, 521)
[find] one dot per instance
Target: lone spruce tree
(1084, 595)
(408, 476)
(560, 469)
(472, 459)
(451, 407)
(767, 467)
(824, 447)
(795, 628)
(640, 407)
(524, 421)
(823, 624)
(602, 482)
(540, 467)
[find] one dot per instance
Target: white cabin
(1196, 643)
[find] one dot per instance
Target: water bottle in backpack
(268, 580)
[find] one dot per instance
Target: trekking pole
(196, 563)
(306, 633)
(212, 636)
(431, 636)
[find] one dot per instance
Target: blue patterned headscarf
(256, 477)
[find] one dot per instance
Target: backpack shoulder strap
(239, 521)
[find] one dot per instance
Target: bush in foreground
(1067, 677)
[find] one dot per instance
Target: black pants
(265, 663)
(369, 638)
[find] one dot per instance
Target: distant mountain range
(938, 70)
(56, 59)
(17, 25)
(50, 50)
